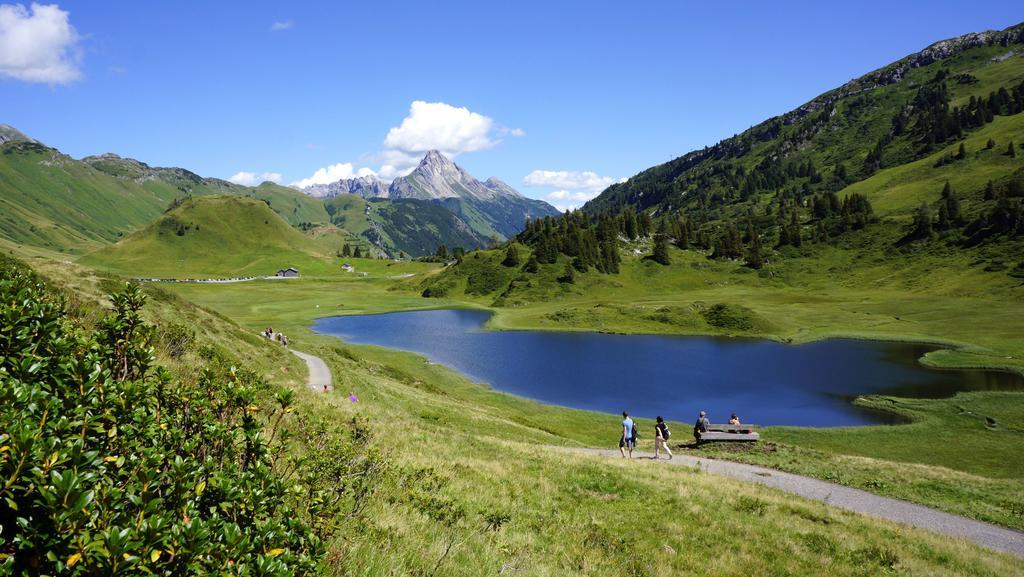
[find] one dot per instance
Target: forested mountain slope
(876, 136)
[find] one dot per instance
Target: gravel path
(319, 374)
(984, 534)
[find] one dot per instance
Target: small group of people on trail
(661, 433)
(629, 435)
(279, 337)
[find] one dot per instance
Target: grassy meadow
(475, 487)
(931, 461)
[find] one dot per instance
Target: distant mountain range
(490, 208)
(54, 202)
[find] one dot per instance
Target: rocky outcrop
(11, 134)
(364, 186)
(437, 177)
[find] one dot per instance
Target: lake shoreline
(749, 368)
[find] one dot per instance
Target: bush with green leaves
(111, 467)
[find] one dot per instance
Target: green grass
(211, 237)
(500, 497)
(899, 190)
(801, 300)
(52, 201)
(950, 456)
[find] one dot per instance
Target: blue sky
(556, 98)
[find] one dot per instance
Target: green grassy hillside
(206, 237)
(887, 118)
(444, 502)
(52, 201)
(416, 227)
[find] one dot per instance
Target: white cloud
(429, 126)
(574, 187)
(333, 173)
(570, 179)
(441, 126)
(254, 178)
(279, 26)
(38, 44)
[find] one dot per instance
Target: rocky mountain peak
(499, 186)
(9, 133)
(435, 162)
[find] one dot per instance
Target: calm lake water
(763, 382)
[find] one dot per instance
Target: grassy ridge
(54, 202)
(212, 237)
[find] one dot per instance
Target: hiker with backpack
(661, 435)
(628, 440)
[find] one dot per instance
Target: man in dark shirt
(701, 426)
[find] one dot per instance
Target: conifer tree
(682, 234)
(961, 153)
(950, 206)
(644, 224)
(358, 253)
(568, 275)
(660, 254)
(990, 144)
(511, 256)
(1011, 151)
(822, 232)
(755, 255)
(346, 250)
(990, 191)
(922, 222)
(629, 224)
(794, 230)
(531, 265)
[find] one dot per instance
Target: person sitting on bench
(734, 420)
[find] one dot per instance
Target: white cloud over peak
(255, 178)
(440, 126)
(395, 163)
(38, 44)
(282, 25)
(574, 187)
(333, 173)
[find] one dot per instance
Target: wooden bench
(717, 432)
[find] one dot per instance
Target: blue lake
(764, 382)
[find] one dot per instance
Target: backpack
(665, 433)
(634, 433)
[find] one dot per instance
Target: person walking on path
(661, 434)
(628, 440)
(701, 426)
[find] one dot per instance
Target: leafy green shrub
(176, 339)
(731, 317)
(484, 279)
(436, 291)
(111, 467)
